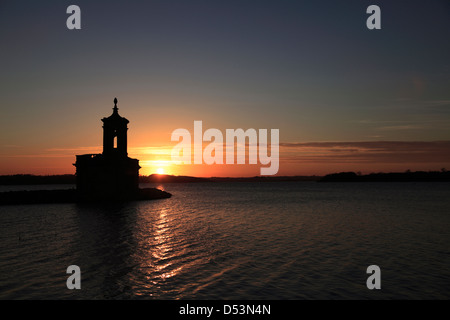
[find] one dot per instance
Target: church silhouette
(108, 176)
(111, 174)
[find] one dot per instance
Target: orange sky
(316, 158)
(343, 97)
(46, 142)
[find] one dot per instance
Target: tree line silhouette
(407, 176)
(417, 176)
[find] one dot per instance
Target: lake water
(280, 240)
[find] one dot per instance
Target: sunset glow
(343, 97)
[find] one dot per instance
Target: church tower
(115, 134)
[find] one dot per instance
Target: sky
(344, 98)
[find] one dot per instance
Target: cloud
(404, 127)
(76, 149)
(368, 151)
(323, 153)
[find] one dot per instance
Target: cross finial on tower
(115, 105)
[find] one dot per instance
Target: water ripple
(235, 241)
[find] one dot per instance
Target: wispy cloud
(76, 149)
(11, 146)
(368, 151)
(403, 127)
(320, 153)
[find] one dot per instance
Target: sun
(160, 171)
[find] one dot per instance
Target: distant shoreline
(408, 176)
(417, 176)
(28, 179)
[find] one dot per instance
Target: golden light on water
(157, 248)
(164, 247)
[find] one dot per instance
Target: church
(111, 174)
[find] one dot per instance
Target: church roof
(115, 117)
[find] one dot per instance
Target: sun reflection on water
(158, 243)
(172, 245)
